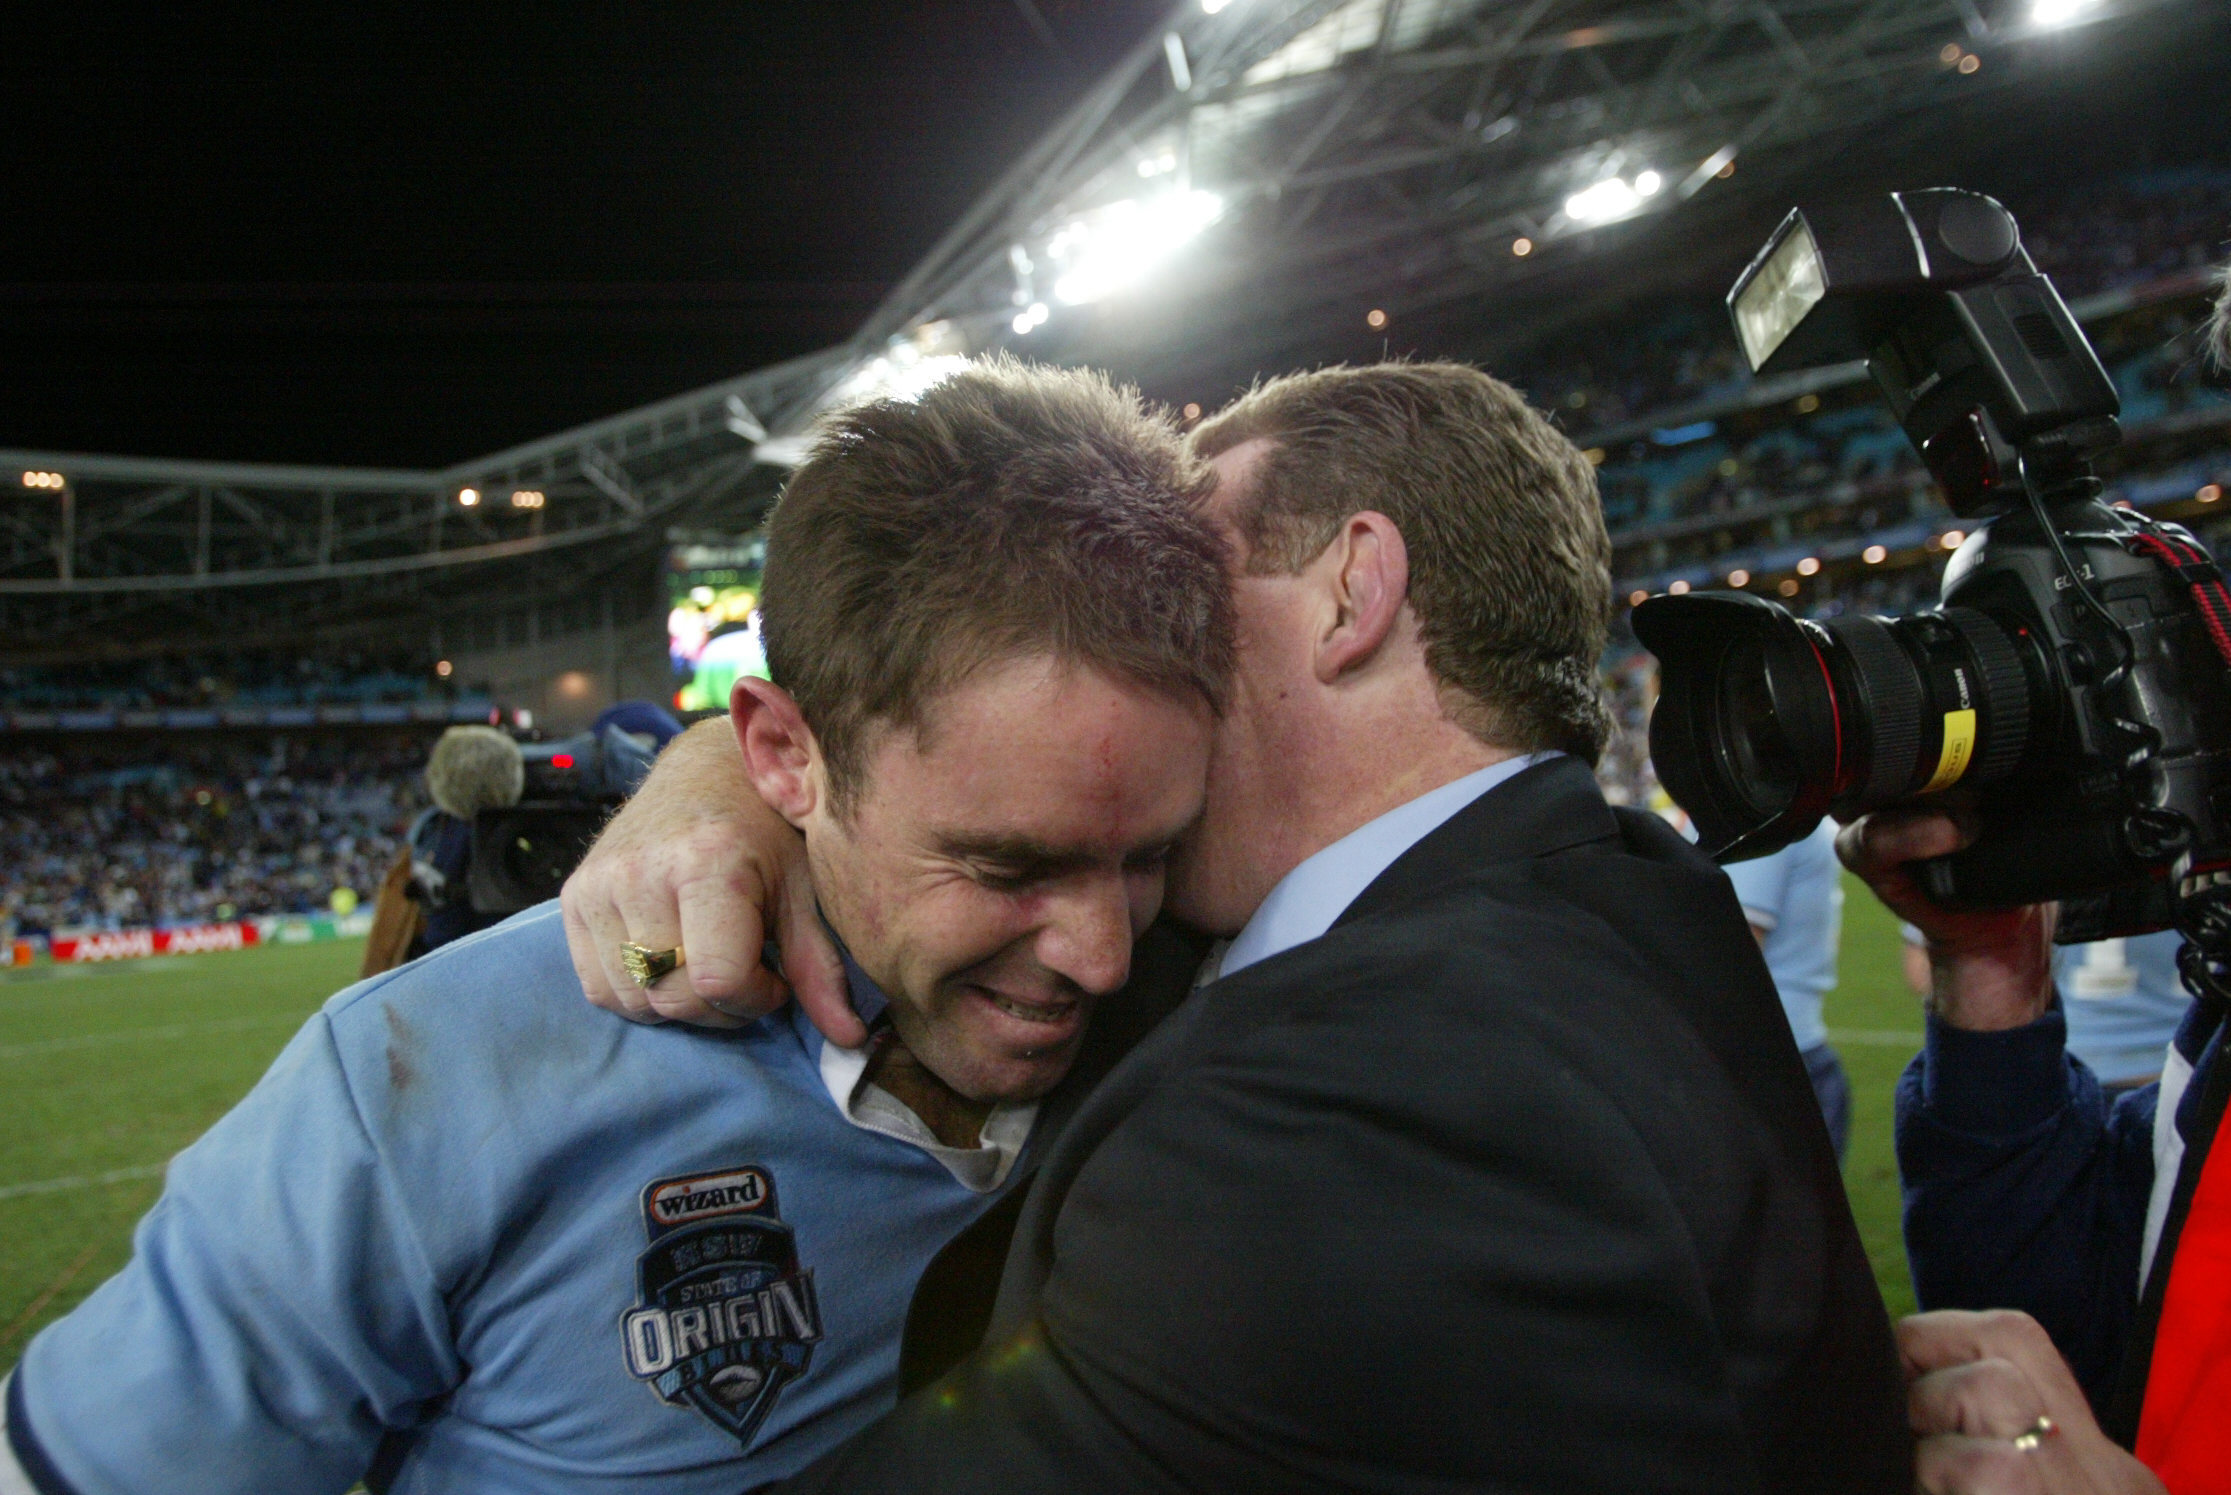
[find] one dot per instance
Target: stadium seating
(120, 832)
(242, 678)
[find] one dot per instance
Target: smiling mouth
(1048, 1013)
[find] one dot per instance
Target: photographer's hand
(696, 860)
(1989, 969)
(1998, 1413)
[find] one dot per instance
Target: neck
(954, 1119)
(1363, 770)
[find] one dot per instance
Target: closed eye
(1002, 880)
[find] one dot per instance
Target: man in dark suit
(1485, 1159)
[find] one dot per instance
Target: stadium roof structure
(105, 554)
(1225, 199)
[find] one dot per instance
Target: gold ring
(646, 966)
(2036, 1433)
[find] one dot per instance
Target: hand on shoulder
(697, 862)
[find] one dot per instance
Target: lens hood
(1745, 735)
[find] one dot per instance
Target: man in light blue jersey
(468, 1233)
(1794, 900)
(2123, 1000)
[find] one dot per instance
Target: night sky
(371, 236)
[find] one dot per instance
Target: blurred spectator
(1794, 900)
(1630, 687)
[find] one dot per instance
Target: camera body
(523, 853)
(2076, 683)
(2127, 780)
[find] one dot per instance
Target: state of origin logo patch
(724, 1316)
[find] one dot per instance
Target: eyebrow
(1021, 854)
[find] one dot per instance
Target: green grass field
(106, 1071)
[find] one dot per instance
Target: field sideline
(106, 1071)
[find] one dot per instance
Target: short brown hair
(2219, 320)
(1011, 509)
(1510, 566)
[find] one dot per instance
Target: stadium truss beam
(85, 525)
(1404, 150)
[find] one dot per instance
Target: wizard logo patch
(724, 1316)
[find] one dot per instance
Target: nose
(1087, 934)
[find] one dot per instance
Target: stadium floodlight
(1031, 318)
(903, 374)
(1211, 7)
(1613, 198)
(2060, 12)
(468, 497)
(1098, 253)
(52, 481)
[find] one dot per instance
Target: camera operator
(2105, 1218)
(2025, 1189)
(2050, 747)
(460, 871)
(2123, 998)
(471, 769)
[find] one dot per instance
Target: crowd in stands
(2112, 235)
(105, 837)
(1712, 467)
(2118, 233)
(1630, 689)
(243, 677)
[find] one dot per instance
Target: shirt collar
(1308, 899)
(870, 1107)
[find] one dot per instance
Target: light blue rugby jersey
(2123, 1000)
(555, 1251)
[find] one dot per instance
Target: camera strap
(2197, 570)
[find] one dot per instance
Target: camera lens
(1759, 760)
(1766, 722)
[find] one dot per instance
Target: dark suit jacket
(1512, 1181)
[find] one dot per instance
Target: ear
(781, 758)
(1367, 572)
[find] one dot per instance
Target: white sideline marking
(1889, 1038)
(133, 1035)
(83, 1180)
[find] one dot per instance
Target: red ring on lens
(1835, 715)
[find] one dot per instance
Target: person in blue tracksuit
(2029, 1184)
(2123, 1001)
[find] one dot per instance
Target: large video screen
(712, 619)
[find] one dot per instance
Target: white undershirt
(2169, 1156)
(979, 1169)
